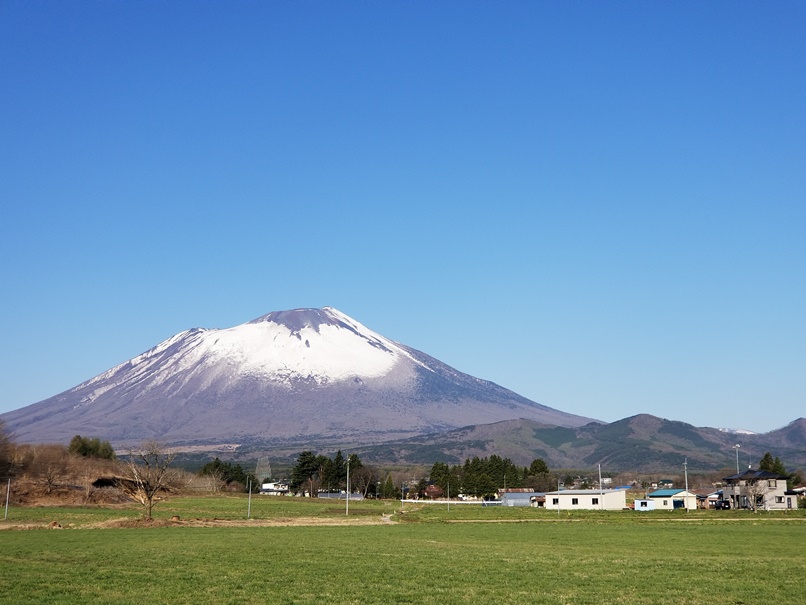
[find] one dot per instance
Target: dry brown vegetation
(50, 475)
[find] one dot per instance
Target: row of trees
(481, 477)
(476, 477)
(313, 473)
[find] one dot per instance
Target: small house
(671, 499)
(707, 497)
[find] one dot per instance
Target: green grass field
(429, 555)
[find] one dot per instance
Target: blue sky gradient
(600, 206)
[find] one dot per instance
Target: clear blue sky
(601, 206)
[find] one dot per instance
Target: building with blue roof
(670, 499)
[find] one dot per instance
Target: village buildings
(759, 490)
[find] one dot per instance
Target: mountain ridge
(285, 376)
(640, 443)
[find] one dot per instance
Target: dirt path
(205, 522)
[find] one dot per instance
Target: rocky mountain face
(289, 377)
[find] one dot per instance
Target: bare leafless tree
(148, 472)
(362, 478)
(215, 480)
(86, 471)
(755, 492)
(49, 465)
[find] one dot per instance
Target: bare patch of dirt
(276, 522)
(130, 523)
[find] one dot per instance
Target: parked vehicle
(722, 505)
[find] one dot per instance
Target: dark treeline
(482, 477)
(477, 477)
(313, 474)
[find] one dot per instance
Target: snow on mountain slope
(323, 345)
(288, 375)
(313, 346)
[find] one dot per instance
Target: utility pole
(685, 471)
(249, 504)
(347, 510)
(601, 491)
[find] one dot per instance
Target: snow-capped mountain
(285, 377)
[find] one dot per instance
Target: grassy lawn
(492, 555)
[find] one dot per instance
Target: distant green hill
(640, 443)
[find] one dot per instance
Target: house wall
(772, 498)
(587, 500)
(667, 502)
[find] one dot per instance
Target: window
(574, 501)
(771, 483)
(779, 499)
(594, 501)
(665, 503)
(555, 501)
(644, 504)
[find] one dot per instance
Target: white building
(644, 505)
(587, 499)
(671, 499)
(275, 488)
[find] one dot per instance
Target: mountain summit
(288, 377)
